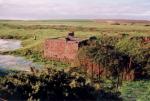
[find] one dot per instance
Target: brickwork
(60, 49)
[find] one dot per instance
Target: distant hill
(122, 21)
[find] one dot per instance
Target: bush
(121, 58)
(50, 85)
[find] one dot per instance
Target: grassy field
(26, 30)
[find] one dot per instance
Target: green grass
(136, 91)
(84, 23)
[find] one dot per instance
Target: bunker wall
(59, 49)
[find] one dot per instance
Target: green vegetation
(52, 85)
(121, 58)
(136, 90)
(111, 51)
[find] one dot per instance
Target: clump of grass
(136, 90)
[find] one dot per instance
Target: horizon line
(76, 19)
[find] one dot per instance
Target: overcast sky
(74, 9)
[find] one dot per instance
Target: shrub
(51, 85)
(120, 57)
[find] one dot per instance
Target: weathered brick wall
(59, 49)
(147, 39)
(96, 70)
(92, 67)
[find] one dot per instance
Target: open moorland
(73, 82)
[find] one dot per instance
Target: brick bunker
(60, 49)
(67, 50)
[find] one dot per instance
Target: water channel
(10, 62)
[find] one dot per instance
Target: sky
(75, 9)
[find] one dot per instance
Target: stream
(10, 62)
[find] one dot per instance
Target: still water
(10, 62)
